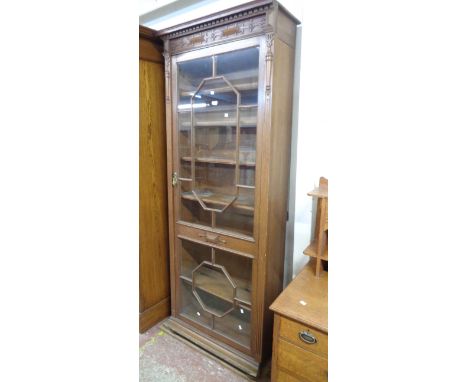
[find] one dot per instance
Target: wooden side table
(300, 343)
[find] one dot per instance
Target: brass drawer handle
(307, 337)
(212, 238)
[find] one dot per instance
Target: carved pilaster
(167, 70)
(167, 60)
(269, 39)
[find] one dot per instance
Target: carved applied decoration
(222, 33)
(269, 38)
(167, 72)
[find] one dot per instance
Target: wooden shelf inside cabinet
(216, 109)
(219, 161)
(221, 108)
(211, 283)
(252, 123)
(221, 200)
(318, 248)
(227, 89)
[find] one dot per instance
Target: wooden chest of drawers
(300, 344)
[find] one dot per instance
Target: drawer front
(302, 336)
(297, 361)
(217, 240)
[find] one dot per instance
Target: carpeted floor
(164, 358)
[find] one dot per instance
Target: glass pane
(240, 271)
(240, 68)
(192, 255)
(236, 271)
(190, 75)
(184, 144)
(248, 136)
(235, 325)
(213, 304)
(247, 176)
(190, 210)
(239, 217)
(190, 308)
(215, 136)
(216, 289)
(217, 122)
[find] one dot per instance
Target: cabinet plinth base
(181, 330)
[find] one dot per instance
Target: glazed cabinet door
(215, 158)
(216, 132)
(216, 291)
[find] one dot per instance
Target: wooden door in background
(154, 248)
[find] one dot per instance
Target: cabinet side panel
(149, 51)
(154, 252)
(282, 94)
(286, 28)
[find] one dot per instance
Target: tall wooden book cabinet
(229, 90)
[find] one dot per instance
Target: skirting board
(177, 327)
(153, 315)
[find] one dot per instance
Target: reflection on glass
(217, 126)
(235, 325)
(213, 288)
(241, 69)
(191, 308)
(216, 289)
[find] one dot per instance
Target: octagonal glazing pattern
(214, 288)
(215, 143)
(217, 110)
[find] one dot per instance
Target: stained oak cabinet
(154, 247)
(229, 80)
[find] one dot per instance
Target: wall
(308, 155)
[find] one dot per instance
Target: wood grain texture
(276, 186)
(154, 252)
(301, 307)
(147, 33)
(295, 360)
(274, 357)
(283, 376)
(154, 314)
(310, 290)
(286, 28)
(246, 248)
(318, 248)
(213, 346)
(289, 331)
(149, 51)
(301, 364)
(171, 131)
